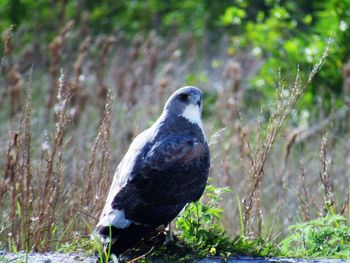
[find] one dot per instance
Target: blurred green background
(282, 34)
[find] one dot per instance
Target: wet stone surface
(46, 258)
(83, 258)
(244, 259)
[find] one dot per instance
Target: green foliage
(281, 34)
(322, 237)
(108, 15)
(200, 228)
(209, 101)
(200, 225)
(88, 245)
(290, 34)
(79, 243)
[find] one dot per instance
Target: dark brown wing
(172, 173)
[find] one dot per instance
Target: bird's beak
(197, 100)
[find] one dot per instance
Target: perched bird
(165, 168)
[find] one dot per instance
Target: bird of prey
(165, 168)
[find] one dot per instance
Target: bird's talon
(169, 239)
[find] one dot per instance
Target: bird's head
(186, 102)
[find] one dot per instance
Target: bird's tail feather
(123, 239)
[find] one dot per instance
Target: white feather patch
(115, 218)
(192, 114)
(114, 258)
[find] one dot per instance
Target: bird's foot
(105, 257)
(112, 259)
(169, 238)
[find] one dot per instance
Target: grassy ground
(65, 126)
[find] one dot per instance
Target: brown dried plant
(104, 179)
(229, 95)
(52, 174)
(78, 94)
(98, 182)
(84, 25)
(346, 205)
(151, 56)
(167, 72)
(63, 11)
(18, 178)
(126, 81)
(258, 157)
(227, 103)
(105, 45)
(10, 179)
(325, 176)
(303, 197)
(55, 49)
(346, 83)
(26, 167)
(346, 89)
(14, 77)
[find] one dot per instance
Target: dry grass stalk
(274, 224)
(290, 141)
(25, 170)
(90, 180)
(14, 77)
(18, 178)
(303, 198)
(8, 47)
(9, 168)
(346, 205)
(346, 90)
(120, 79)
(105, 45)
(62, 15)
(167, 72)
(346, 83)
(137, 75)
(78, 65)
(130, 78)
(162, 86)
(151, 53)
(84, 27)
(325, 176)
(15, 84)
(104, 176)
(55, 49)
(258, 157)
(227, 104)
(53, 173)
(10, 179)
(98, 182)
(79, 96)
(229, 95)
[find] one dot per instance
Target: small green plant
(327, 236)
(200, 223)
(103, 252)
(201, 229)
(78, 243)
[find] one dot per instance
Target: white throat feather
(192, 114)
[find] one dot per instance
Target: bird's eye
(183, 96)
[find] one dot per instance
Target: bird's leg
(114, 259)
(169, 239)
